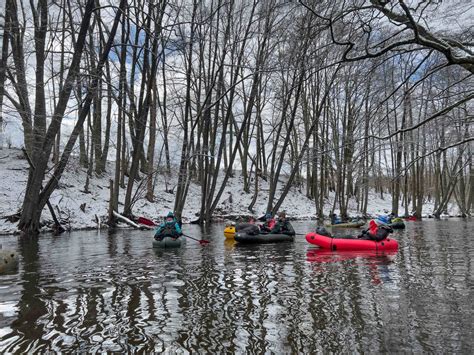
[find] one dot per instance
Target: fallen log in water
(130, 222)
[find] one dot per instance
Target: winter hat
(268, 216)
(170, 215)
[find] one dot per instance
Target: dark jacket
(335, 219)
(283, 228)
(168, 229)
(377, 233)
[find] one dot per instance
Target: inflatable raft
(330, 243)
(169, 242)
(357, 224)
(245, 238)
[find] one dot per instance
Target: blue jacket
(384, 219)
(169, 228)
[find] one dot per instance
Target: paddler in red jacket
(377, 231)
(269, 223)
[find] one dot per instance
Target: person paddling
(282, 226)
(169, 228)
(377, 231)
(335, 219)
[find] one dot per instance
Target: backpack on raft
(382, 232)
(323, 231)
(248, 228)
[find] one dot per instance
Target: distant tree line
(334, 96)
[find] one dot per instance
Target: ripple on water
(96, 293)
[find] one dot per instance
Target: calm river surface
(86, 291)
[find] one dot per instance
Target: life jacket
(373, 227)
(267, 226)
(270, 224)
(378, 232)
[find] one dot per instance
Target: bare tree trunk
(183, 167)
(35, 199)
(144, 108)
(21, 86)
(365, 165)
(164, 112)
(102, 164)
(324, 97)
(398, 162)
(151, 146)
(121, 103)
(470, 198)
(252, 96)
(3, 64)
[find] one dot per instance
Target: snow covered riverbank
(80, 210)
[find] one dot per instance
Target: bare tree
(35, 196)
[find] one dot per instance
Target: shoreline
(124, 226)
(80, 210)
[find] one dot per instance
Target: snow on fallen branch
(130, 222)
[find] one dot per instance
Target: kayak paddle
(146, 221)
(201, 241)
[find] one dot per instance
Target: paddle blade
(146, 221)
(201, 241)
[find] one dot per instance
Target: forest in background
(336, 97)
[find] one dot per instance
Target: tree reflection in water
(93, 292)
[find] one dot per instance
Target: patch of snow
(70, 196)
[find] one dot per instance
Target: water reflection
(328, 256)
(114, 292)
(376, 264)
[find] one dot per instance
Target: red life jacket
(271, 223)
(373, 227)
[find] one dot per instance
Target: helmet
(322, 231)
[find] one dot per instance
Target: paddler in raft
(282, 226)
(169, 228)
(335, 219)
(378, 230)
(268, 225)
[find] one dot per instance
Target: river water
(90, 291)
